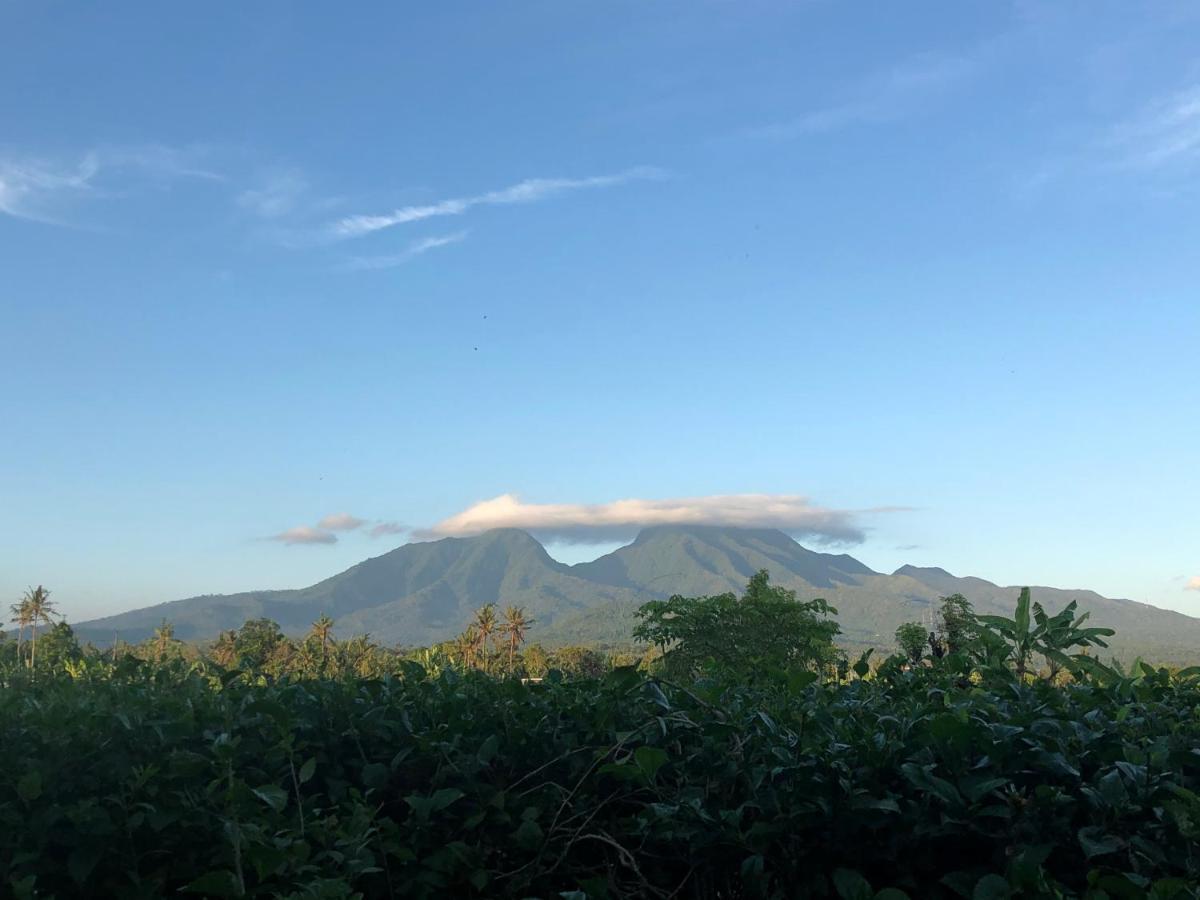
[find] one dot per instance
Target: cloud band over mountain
(622, 519)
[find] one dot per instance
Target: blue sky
(922, 274)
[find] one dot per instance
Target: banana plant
(1031, 631)
(1062, 632)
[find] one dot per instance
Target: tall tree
(957, 625)
(20, 618)
(464, 646)
(516, 627)
(41, 612)
(321, 630)
(765, 631)
(224, 650)
(163, 638)
(485, 625)
(911, 638)
(537, 661)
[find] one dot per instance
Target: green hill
(425, 592)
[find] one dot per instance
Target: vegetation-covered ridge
(998, 759)
(421, 593)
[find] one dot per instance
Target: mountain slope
(416, 594)
(426, 592)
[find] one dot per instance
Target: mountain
(421, 593)
(417, 594)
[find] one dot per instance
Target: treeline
(767, 629)
(496, 643)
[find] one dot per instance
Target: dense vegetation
(999, 759)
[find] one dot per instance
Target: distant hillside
(416, 594)
(426, 592)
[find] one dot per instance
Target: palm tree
(225, 650)
(321, 630)
(485, 624)
(164, 637)
(41, 611)
(315, 648)
(464, 645)
(21, 617)
(516, 626)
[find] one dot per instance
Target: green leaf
(82, 861)
(799, 680)
(850, 885)
(1021, 619)
(307, 771)
(976, 791)
(1129, 887)
(438, 800)
(752, 867)
(891, 894)
(1095, 842)
(376, 775)
(488, 749)
(992, 887)
(219, 883)
(529, 835)
(444, 797)
(863, 667)
(886, 804)
(920, 777)
(272, 795)
(29, 787)
(649, 760)
(657, 695)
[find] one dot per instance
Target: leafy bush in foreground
(143, 781)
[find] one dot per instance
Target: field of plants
(961, 771)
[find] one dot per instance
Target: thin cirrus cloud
(325, 531)
(37, 191)
(278, 195)
(528, 191)
(1166, 133)
(304, 534)
(1193, 583)
(46, 191)
(387, 528)
(409, 253)
(622, 519)
(341, 522)
(884, 97)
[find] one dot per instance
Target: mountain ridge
(424, 592)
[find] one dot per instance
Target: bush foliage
(961, 775)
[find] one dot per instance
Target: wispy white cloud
(304, 534)
(1193, 583)
(341, 522)
(44, 190)
(158, 161)
(324, 531)
(1165, 133)
(413, 250)
(884, 97)
(528, 191)
(36, 189)
(278, 194)
(386, 528)
(622, 519)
